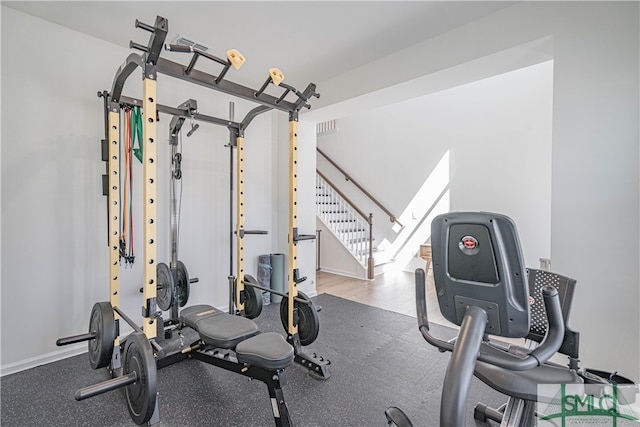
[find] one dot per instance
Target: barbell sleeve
(76, 338)
(105, 386)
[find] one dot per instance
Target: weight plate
(101, 323)
(182, 283)
(164, 296)
(141, 395)
(308, 320)
(253, 302)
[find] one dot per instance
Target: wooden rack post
(293, 221)
(114, 208)
(239, 223)
(149, 210)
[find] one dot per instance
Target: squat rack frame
(152, 64)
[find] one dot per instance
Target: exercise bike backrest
(477, 262)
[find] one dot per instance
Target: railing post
(318, 249)
(371, 263)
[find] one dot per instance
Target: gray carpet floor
(378, 359)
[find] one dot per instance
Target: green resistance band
(136, 131)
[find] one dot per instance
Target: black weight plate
(141, 395)
(103, 324)
(253, 303)
(182, 291)
(164, 297)
(308, 320)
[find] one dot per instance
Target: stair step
(348, 228)
(360, 239)
(376, 253)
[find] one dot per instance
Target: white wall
(595, 199)
(54, 265)
(335, 258)
(496, 136)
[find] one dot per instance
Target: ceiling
(310, 41)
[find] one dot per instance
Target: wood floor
(393, 291)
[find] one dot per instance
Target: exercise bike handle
(423, 318)
(549, 346)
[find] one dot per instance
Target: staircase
(349, 225)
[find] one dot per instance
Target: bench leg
(278, 405)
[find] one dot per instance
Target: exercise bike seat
(218, 328)
(523, 384)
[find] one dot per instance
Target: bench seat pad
(218, 328)
(268, 350)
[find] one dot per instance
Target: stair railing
(337, 203)
(347, 177)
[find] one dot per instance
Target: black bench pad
(268, 350)
(218, 328)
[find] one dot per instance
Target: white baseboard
(70, 351)
(32, 362)
(343, 273)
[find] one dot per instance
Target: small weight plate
(141, 395)
(182, 283)
(253, 303)
(164, 297)
(101, 323)
(308, 320)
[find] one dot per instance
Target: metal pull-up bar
(234, 58)
(276, 77)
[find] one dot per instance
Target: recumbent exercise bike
(483, 286)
